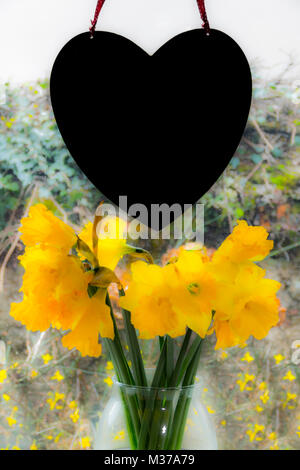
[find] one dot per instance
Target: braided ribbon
(201, 6)
(202, 9)
(94, 22)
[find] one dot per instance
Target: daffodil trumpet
(66, 286)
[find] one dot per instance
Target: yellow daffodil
(245, 243)
(245, 306)
(166, 300)
(56, 283)
(43, 228)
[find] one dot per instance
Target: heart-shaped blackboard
(157, 129)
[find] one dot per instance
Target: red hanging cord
(97, 13)
(201, 5)
(202, 9)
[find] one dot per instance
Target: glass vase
(164, 419)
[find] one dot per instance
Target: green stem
(124, 375)
(186, 360)
(178, 367)
(179, 421)
(169, 358)
(157, 380)
(134, 351)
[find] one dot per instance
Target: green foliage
(33, 152)
(262, 182)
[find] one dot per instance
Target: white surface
(33, 31)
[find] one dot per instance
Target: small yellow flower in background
(75, 416)
(224, 355)
(47, 358)
(120, 435)
(195, 411)
(289, 376)
(274, 446)
(85, 442)
(49, 437)
(290, 397)
(54, 399)
(57, 438)
(3, 375)
(33, 446)
(14, 366)
(5, 397)
(247, 357)
(265, 397)
(109, 365)
(57, 376)
(34, 373)
(259, 409)
(298, 432)
(108, 381)
(279, 358)
(223, 423)
(210, 410)
(258, 428)
(15, 448)
(205, 390)
(11, 421)
(262, 386)
(272, 436)
(243, 383)
(73, 404)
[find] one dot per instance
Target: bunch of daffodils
(65, 286)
